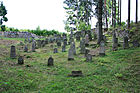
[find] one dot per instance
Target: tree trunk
(120, 12)
(112, 13)
(106, 14)
(136, 11)
(100, 4)
(128, 13)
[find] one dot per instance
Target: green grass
(117, 72)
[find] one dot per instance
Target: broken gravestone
(50, 61)
(13, 52)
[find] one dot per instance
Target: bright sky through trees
(48, 14)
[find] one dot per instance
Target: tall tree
(3, 13)
(106, 14)
(112, 12)
(100, 4)
(120, 11)
(136, 11)
(128, 14)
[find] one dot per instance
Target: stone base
(76, 74)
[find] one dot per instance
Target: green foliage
(3, 13)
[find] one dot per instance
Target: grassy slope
(118, 72)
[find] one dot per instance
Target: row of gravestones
(11, 34)
(125, 41)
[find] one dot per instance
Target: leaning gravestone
(13, 52)
(125, 43)
(20, 60)
(88, 58)
(102, 48)
(50, 61)
(70, 54)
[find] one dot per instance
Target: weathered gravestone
(59, 43)
(88, 58)
(115, 44)
(82, 46)
(73, 48)
(86, 52)
(33, 47)
(63, 48)
(20, 60)
(13, 52)
(26, 48)
(125, 43)
(55, 50)
(86, 40)
(50, 61)
(102, 48)
(70, 54)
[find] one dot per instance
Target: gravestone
(59, 44)
(86, 40)
(63, 48)
(88, 58)
(13, 52)
(50, 61)
(26, 48)
(73, 48)
(55, 50)
(125, 43)
(86, 52)
(70, 54)
(20, 60)
(46, 41)
(102, 48)
(82, 46)
(33, 46)
(115, 44)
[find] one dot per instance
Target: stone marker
(33, 47)
(136, 43)
(125, 43)
(86, 52)
(26, 48)
(63, 48)
(70, 54)
(102, 48)
(50, 61)
(20, 60)
(115, 44)
(86, 40)
(55, 50)
(82, 46)
(13, 52)
(88, 58)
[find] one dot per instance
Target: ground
(117, 72)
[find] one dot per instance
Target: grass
(117, 72)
